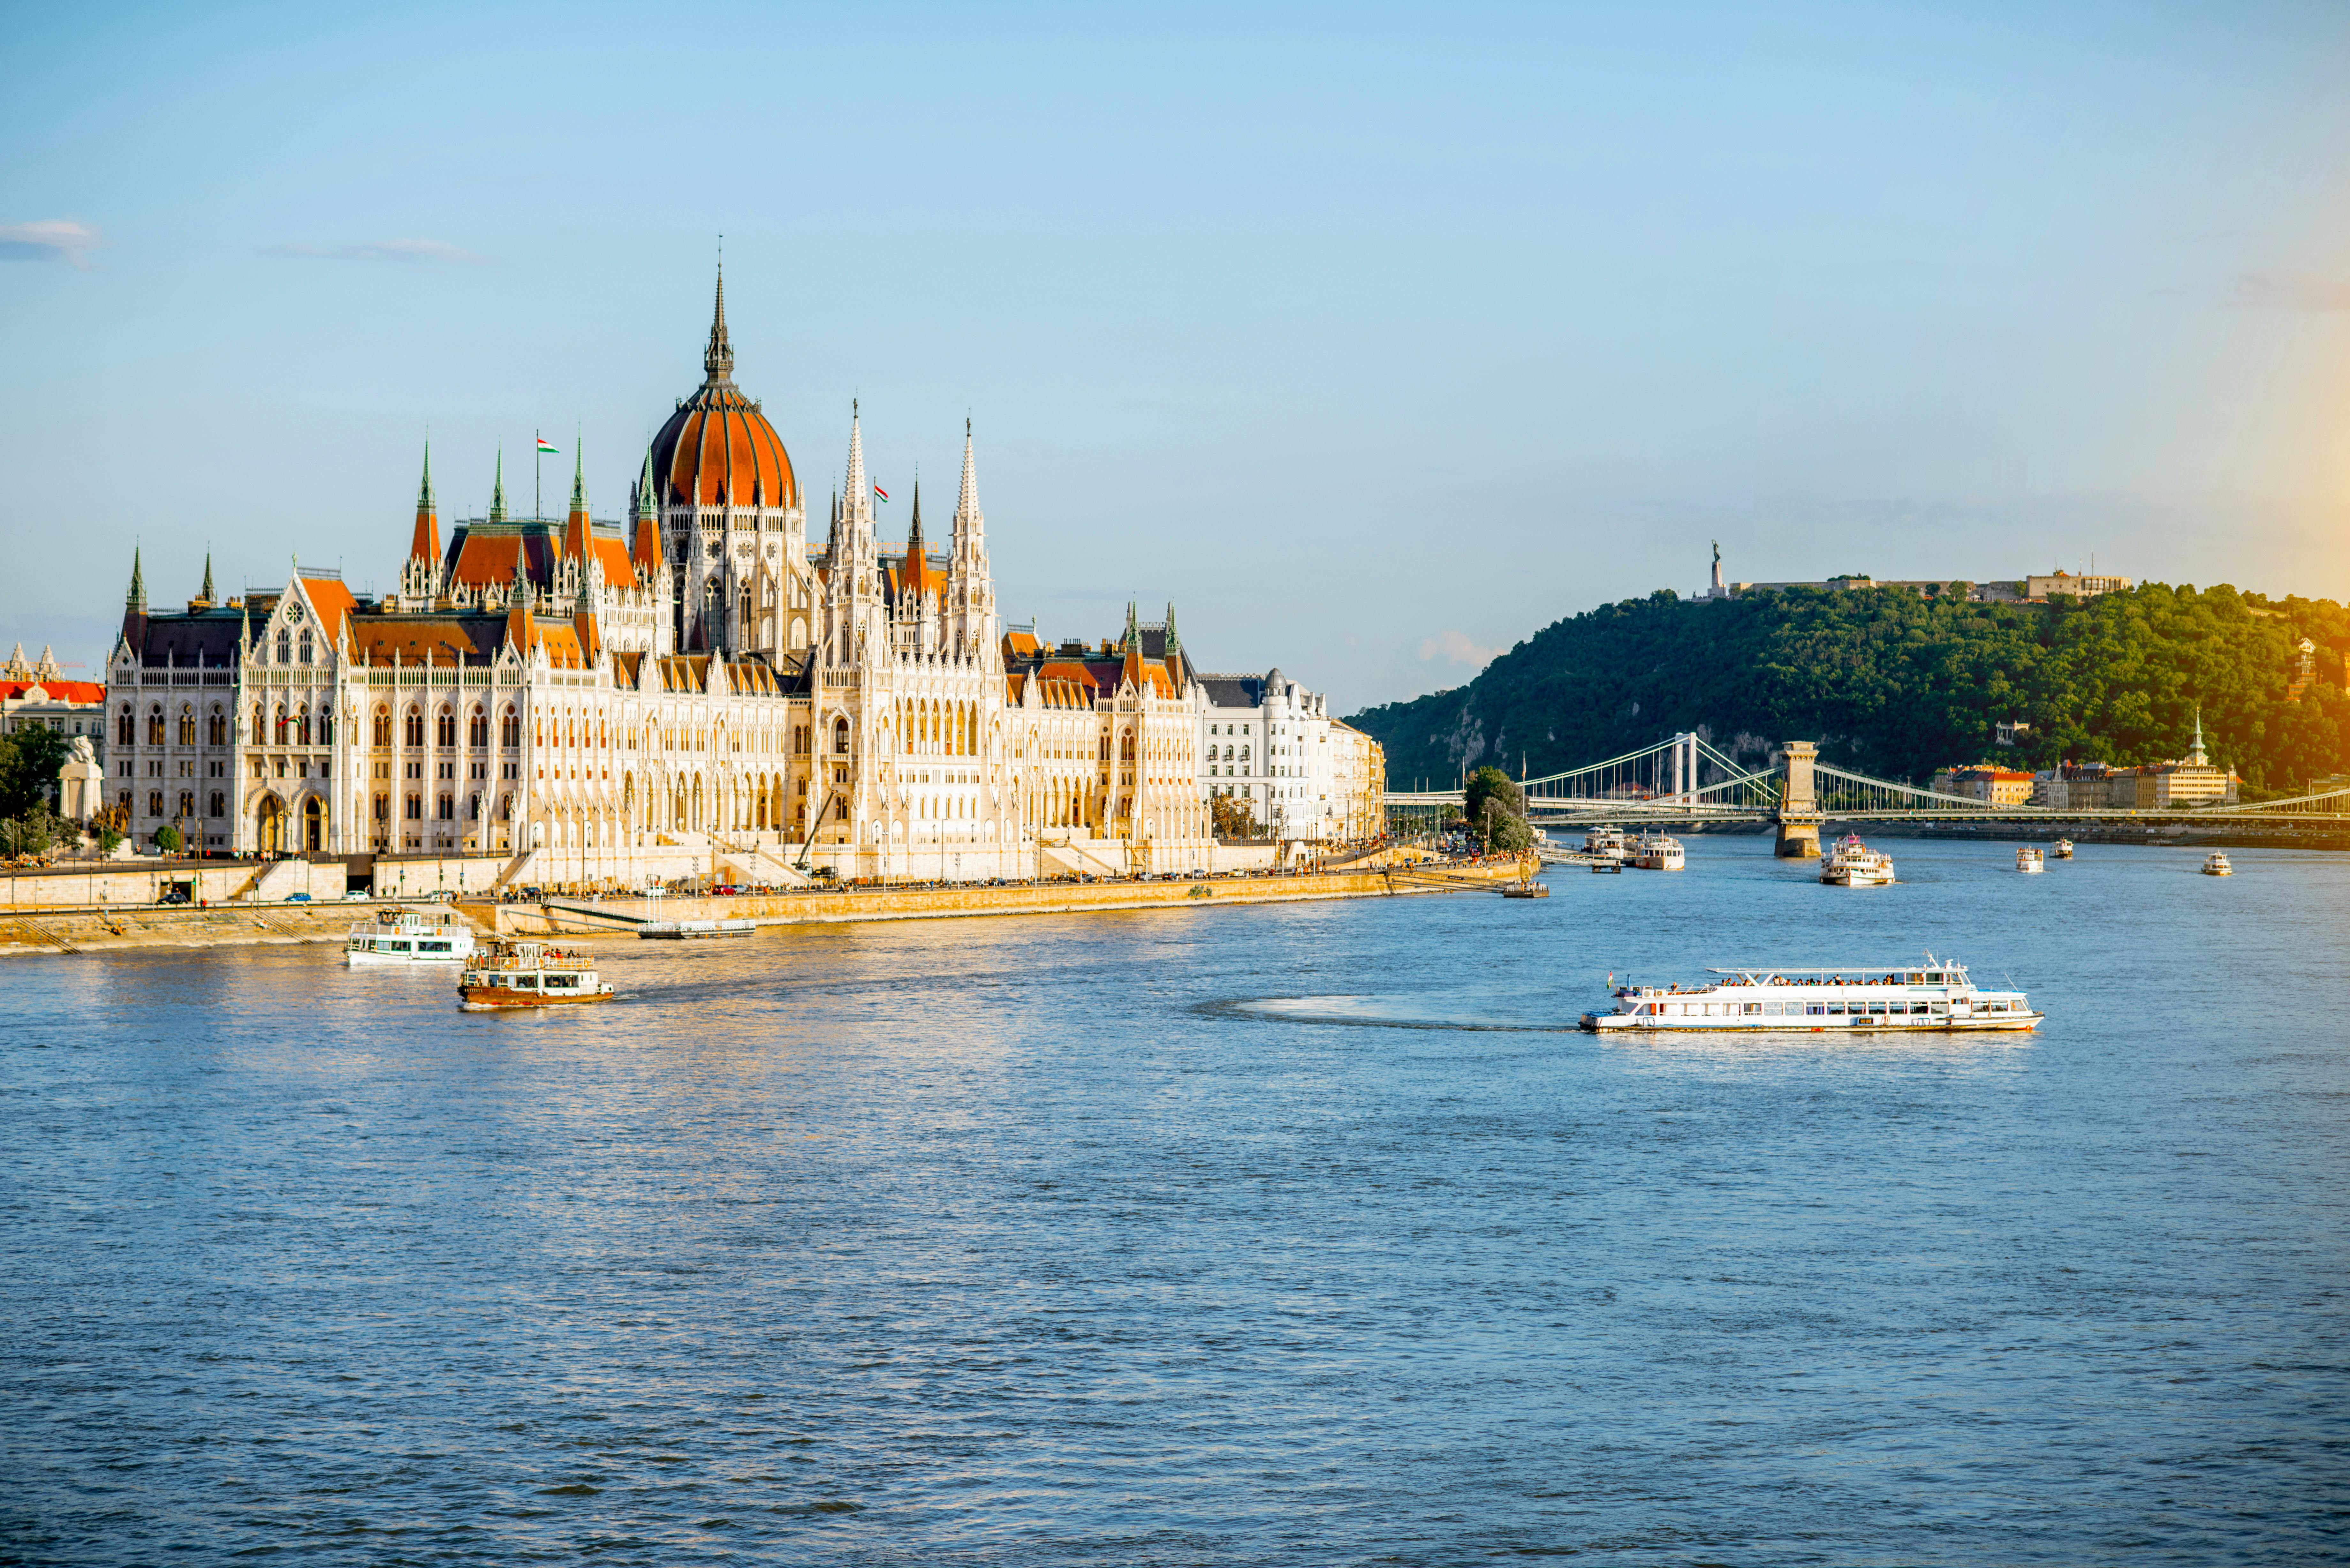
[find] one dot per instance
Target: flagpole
(537, 441)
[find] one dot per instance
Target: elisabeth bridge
(1684, 782)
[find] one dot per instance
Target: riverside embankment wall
(618, 916)
(101, 929)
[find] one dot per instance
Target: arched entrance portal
(314, 825)
(269, 830)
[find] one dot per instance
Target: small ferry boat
(694, 930)
(1852, 864)
(1656, 852)
(2063, 850)
(1525, 887)
(1607, 842)
(1934, 995)
(509, 974)
(2216, 865)
(407, 936)
(2029, 859)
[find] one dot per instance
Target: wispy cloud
(2276, 288)
(49, 239)
(1454, 647)
(408, 253)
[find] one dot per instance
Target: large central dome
(718, 448)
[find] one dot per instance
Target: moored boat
(2216, 865)
(1849, 862)
(2029, 859)
(408, 937)
(1656, 852)
(513, 973)
(1931, 996)
(1607, 843)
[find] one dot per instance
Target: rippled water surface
(1310, 1235)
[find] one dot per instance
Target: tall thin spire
(137, 598)
(208, 577)
(498, 490)
(2197, 756)
(1174, 643)
(857, 486)
(424, 490)
(646, 506)
(718, 358)
(579, 477)
(967, 502)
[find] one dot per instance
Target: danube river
(1309, 1234)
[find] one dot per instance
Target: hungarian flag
(881, 492)
(546, 445)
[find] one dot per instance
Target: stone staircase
(272, 882)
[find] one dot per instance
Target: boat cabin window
(528, 982)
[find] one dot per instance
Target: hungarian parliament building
(700, 686)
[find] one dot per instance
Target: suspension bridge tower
(1799, 808)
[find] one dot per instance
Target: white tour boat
(2216, 865)
(405, 935)
(1934, 995)
(2029, 859)
(1656, 852)
(2063, 851)
(1606, 843)
(1852, 864)
(510, 973)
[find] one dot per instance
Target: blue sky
(1374, 339)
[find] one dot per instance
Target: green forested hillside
(1896, 684)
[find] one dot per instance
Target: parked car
(298, 898)
(174, 896)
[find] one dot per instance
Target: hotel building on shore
(601, 699)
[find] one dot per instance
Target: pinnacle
(718, 358)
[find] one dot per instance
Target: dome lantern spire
(718, 358)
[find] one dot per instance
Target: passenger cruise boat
(1656, 852)
(1607, 842)
(407, 936)
(2216, 865)
(2029, 859)
(1852, 864)
(509, 974)
(1934, 995)
(2063, 850)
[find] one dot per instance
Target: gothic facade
(696, 689)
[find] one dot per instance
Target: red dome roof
(718, 448)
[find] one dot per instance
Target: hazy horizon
(1374, 343)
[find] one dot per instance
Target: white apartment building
(1271, 743)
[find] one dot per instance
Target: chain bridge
(1685, 782)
